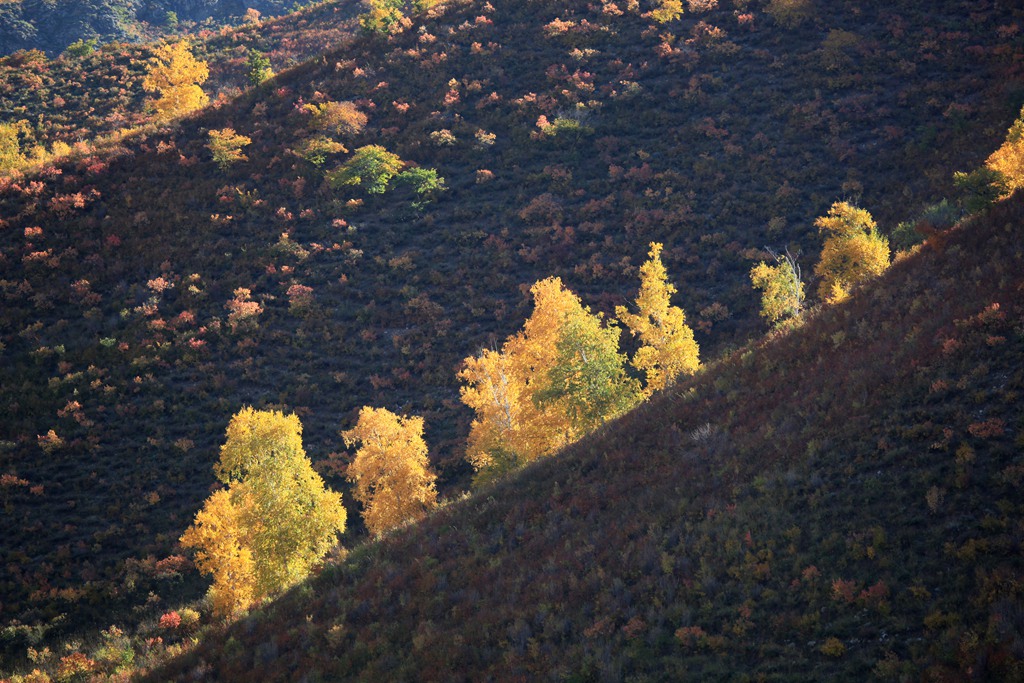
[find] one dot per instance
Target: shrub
(790, 13)
(371, 167)
(833, 647)
(226, 147)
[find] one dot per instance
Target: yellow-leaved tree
(11, 136)
(176, 74)
(550, 384)
(1008, 160)
(854, 250)
(273, 522)
(226, 145)
(223, 547)
(782, 290)
(391, 472)
(668, 348)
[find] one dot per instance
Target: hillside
(76, 99)
(839, 503)
(570, 136)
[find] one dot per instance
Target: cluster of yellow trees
(854, 250)
(272, 522)
(563, 375)
(557, 379)
(275, 520)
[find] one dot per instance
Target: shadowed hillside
(569, 136)
(842, 502)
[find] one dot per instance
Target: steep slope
(716, 134)
(839, 503)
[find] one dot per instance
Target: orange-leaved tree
(273, 522)
(668, 348)
(176, 74)
(854, 250)
(391, 472)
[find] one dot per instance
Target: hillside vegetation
(152, 287)
(95, 93)
(838, 503)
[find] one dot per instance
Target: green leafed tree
(371, 168)
(425, 183)
(588, 381)
(257, 68)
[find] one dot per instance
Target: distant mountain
(52, 26)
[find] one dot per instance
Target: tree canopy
(668, 348)
(782, 290)
(177, 75)
(1008, 160)
(273, 522)
(550, 383)
(391, 472)
(854, 250)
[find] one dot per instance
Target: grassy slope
(881, 445)
(703, 155)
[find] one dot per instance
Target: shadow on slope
(839, 502)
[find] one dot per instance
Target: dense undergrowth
(570, 136)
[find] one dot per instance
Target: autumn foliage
(548, 385)
(275, 520)
(391, 472)
(226, 145)
(177, 76)
(668, 348)
(782, 290)
(1008, 160)
(854, 250)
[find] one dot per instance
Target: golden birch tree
(549, 384)
(391, 471)
(854, 250)
(782, 291)
(176, 75)
(273, 522)
(667, 348)
(1008, 160)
